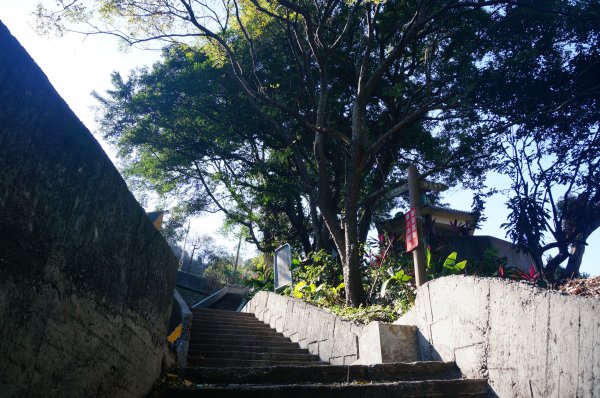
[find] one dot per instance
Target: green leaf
(384, 287)
(400, 276)
(461, 265)
(450, 261)
(298, 289)
(428, 253)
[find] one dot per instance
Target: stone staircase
(237, 339)
(233, 354)
(230, 301)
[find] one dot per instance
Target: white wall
(527, 341)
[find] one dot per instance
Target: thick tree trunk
(554, 262)
(577, 251)
(352, 277)
(354, 178)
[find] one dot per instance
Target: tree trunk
(352, 278)
(577, 251)
(354, 178)
(554, 262)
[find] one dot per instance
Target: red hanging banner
(412, 235)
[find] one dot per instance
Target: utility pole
(187, 231)
(237, 259)
(414, 195)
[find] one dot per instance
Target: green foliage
(318, 267)
(184, 131)
(219, 272)
(388, 273)
(397, 277)
(451, 266)
(266, 118)
(322, 294)
(318, 282)
(365, 314)
(489, 265)
(260, 276)
(317, 279)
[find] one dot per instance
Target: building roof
(431, 209)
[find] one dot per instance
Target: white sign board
(282, 264)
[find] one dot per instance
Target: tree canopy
(318, 107)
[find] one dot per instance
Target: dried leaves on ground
(582, 287)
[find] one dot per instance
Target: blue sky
(76, 66)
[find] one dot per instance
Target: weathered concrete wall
(322, 333)
(86, 281)
(196, 282)
(529, 342)
(381, 342)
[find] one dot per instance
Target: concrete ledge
(387, 343)
(527, 341)
(186, 324)
(210, 300)
(322, 333)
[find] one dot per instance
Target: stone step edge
(245, 363)
(247, 348)
(236, 322)
(248, 343)
(210, 337)
(251, 354)
(233, 330)
(422, 388)
(241, 354)
(220, 313)
(335, 373)
(236, 342)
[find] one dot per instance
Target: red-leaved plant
(531, 277)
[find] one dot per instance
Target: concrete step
(430, 388)
(209, 338)
(204, 348)
(236, 331)
(221, 313)
(257, 355)
(224, 323)
(214, 327)
(203, 318)
(389, 372)
(234, 343)
(244, 363)
(199, 324)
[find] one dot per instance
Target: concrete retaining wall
(529, 342)
(322, 333)
(86, 280)
(181, 315)
(196, 283)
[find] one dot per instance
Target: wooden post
(414, 194)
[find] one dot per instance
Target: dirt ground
(583, 287)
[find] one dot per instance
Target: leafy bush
(317, 279)
(260, 276)
(365, 314)
(389, 274)
(532, 276)
(318, 267)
